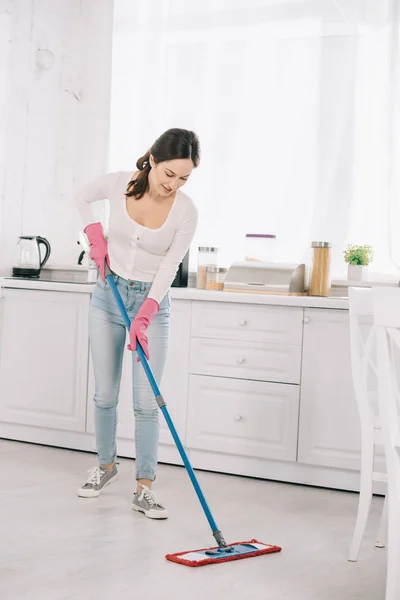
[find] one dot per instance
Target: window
(293, 106)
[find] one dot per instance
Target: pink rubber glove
(98, 246)
(140, 323)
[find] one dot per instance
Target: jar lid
(261, 235)
(212, 269)
(321, 245)
(208, 249)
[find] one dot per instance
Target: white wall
(55, 72)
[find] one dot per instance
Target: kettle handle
(42, 240)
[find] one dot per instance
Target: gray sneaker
(147, 503)
(98, 478)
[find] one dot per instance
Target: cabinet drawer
(245, 418)
(244, 360)
(247, 323)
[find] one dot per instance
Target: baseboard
(327, 477)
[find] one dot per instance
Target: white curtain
(4, 73)
(296, 105)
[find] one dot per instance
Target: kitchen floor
(56, 546)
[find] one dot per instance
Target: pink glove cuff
(98, 246)
(94, 230)
(148, 310)
(139, 325)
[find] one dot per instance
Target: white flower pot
(356, 273)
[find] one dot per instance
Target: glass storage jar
(321, 269)
(260, 247)
(207, 257)
(216, 278)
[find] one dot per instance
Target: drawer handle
(243, 322)
(306, 320)
(240, 361)
(238, 418)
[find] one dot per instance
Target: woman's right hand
(98, 247)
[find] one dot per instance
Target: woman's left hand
(139, 325)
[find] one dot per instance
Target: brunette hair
(171, 145)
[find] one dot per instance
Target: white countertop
(248, 298)
(190, 294)
(55, 286)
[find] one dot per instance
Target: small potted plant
(358, 259)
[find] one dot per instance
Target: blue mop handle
(164, 409)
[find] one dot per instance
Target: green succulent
(358, 255)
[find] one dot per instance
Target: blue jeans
(108, 341)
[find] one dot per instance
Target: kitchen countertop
(38, 284)
(271, 299)
(188, 294)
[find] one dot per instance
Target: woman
(152, 224)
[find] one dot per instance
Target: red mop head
(199, 558)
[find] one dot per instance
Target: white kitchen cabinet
(244, 418)
(175, 381)
(329, 432)
(43, 358)
(173, 386)
(251, 388)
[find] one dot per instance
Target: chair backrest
(387, 329)
(363, 355)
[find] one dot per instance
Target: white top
(137, 252)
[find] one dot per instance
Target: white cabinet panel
(244, 360)
(173, 386)
(245, 418)
(247, 323)
(329, 433)
(44, 358)
(175, 380)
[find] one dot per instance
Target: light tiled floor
(55, 546)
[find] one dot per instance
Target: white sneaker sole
(151, 515)
(90, 493)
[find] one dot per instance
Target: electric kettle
(30, 260)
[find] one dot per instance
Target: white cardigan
(137, 252)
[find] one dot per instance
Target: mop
(204, 556)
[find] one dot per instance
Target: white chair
(387, 329)
(363, 363)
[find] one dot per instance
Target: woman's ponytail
(139, 186)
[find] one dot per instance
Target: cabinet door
(175, 381)
(245, 418)
(329, 432)
(44, 358)
(173, 386)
